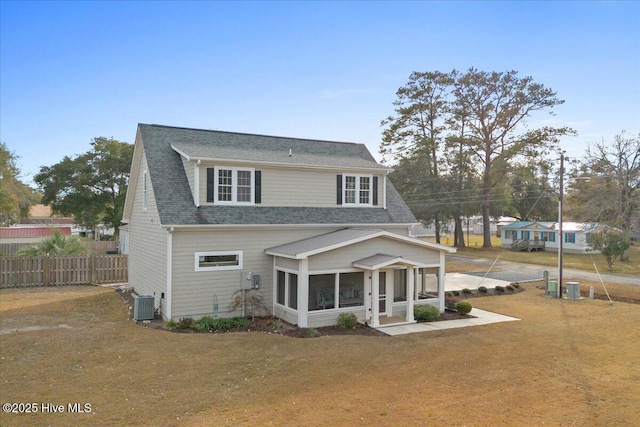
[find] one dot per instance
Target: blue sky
(72, 71)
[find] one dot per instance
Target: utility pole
(560, 236)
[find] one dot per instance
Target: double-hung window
(357, 190)
(231, 186)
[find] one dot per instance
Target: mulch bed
(272, 325)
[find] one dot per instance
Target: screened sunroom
(375, 274)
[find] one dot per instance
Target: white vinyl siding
(147, 243)
(193, 291)
(189, 171)
(145, 193)
(343, 258)
(293, 187)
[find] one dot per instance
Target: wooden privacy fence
(62, 270)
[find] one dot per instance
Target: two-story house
(315, 225)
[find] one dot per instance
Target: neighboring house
(502, 221)
(32, 234)
(543, 235)
(315, 225)
(41, 215)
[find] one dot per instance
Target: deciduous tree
(91, 187)
(15, 196)
(611, 244)
(612, 194)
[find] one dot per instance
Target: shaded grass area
(562, 364)
(577, 261)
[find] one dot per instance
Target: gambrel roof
(163, 147)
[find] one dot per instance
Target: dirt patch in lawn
(564, 363)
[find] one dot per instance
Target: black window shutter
(339, 189)
(210, 183)
(258, 186)
(375, 190)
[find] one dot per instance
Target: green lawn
(578, 261)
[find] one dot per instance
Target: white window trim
(145, 192)
(234, 186)
(220, 267)
(357, 190)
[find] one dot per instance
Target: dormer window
(231, 185)
(357, 189)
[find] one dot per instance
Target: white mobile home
(543, 235)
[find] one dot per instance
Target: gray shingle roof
(209, 144)
(175, 203)
(295, 249)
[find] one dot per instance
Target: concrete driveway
(519, 272)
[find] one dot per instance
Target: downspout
(169, 271)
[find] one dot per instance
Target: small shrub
(278, 324)
(499, 288)
(463, 307)
(223, 324)
(510, 288)
(448, 294)
(204, 324)
(171, 324)
(456, 293)
(312, 333)
(451, 302)
(252, 299)
(347, 321)
(185, 323)
(483, 289)
(426, 313)
(466, 291)
(516, 285)
(241, 323)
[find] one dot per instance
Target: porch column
(303, 293)
(410, 293)
(375, 298)
(441, 273)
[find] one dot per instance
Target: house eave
(196, 227)
(283, 165)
